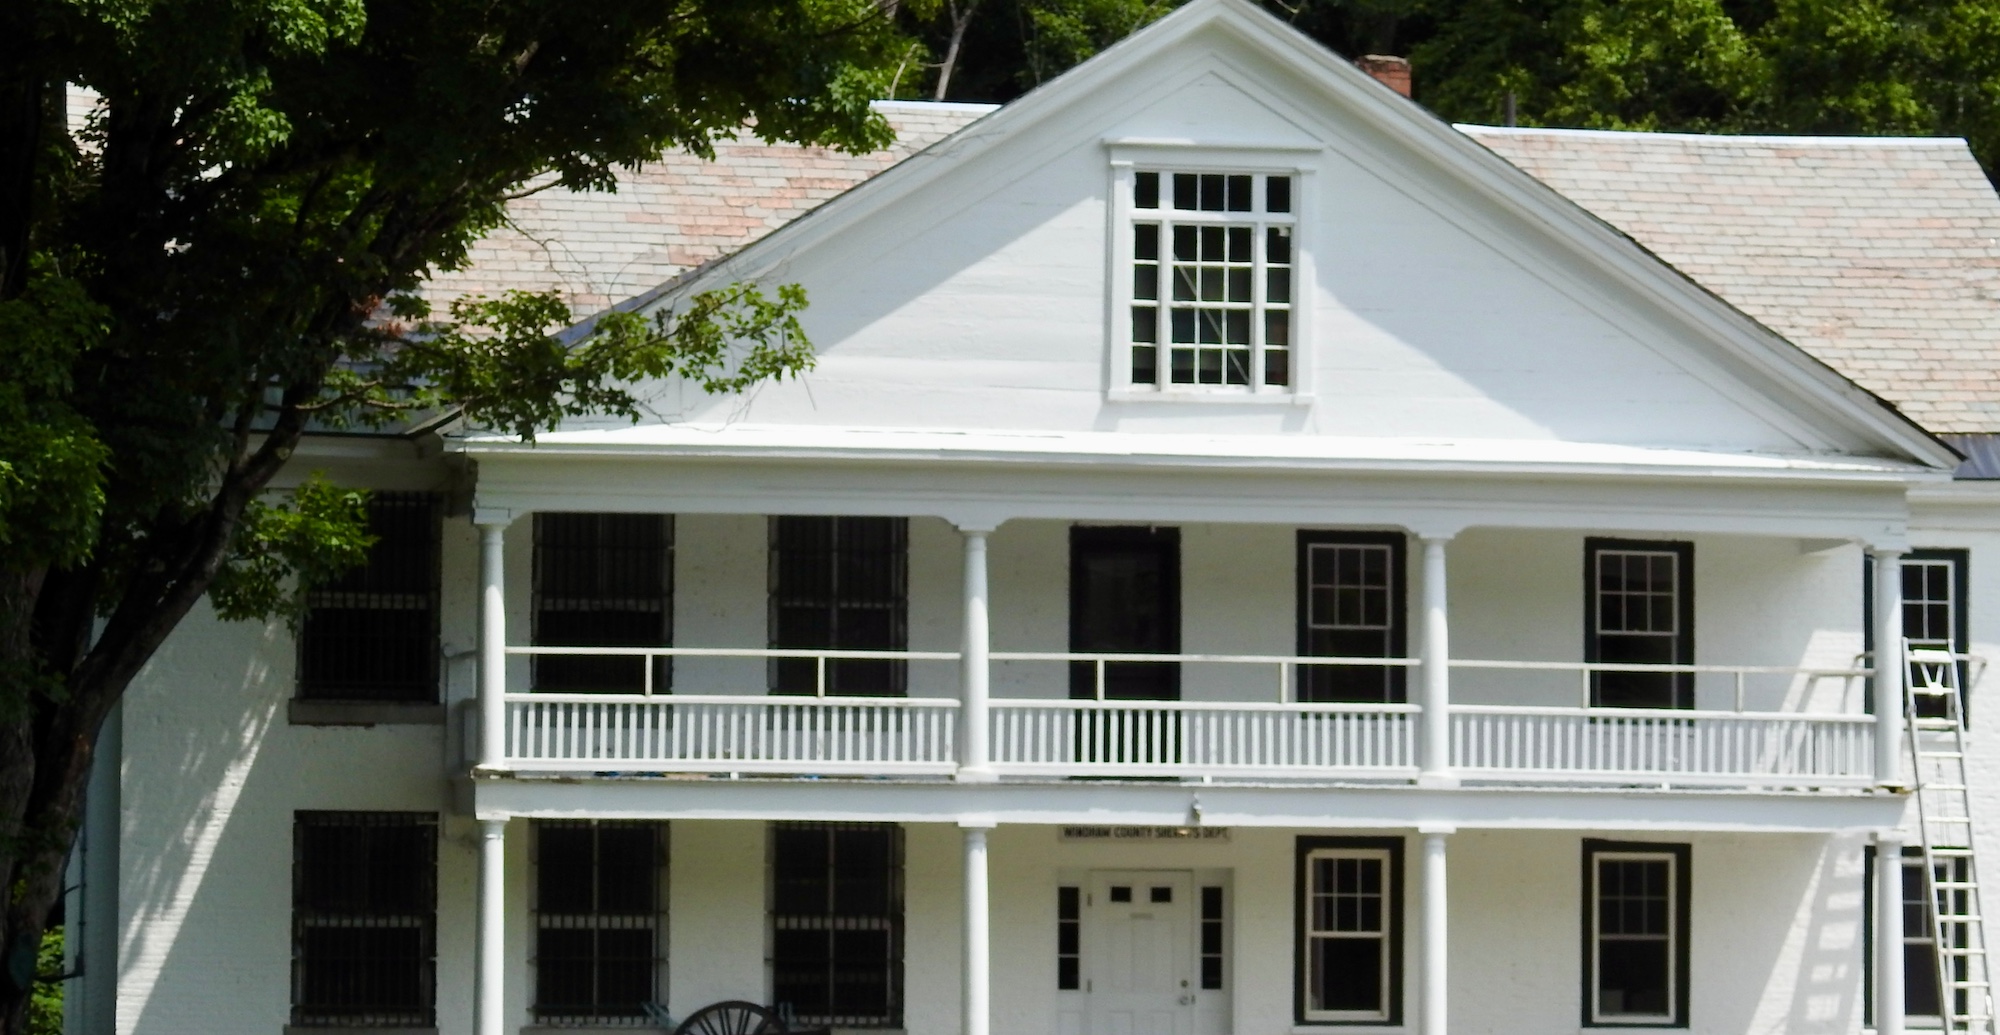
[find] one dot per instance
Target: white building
(978, 681)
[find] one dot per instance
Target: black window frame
(1393, 877)
(831, 920)
(610, 540)
(1961, 633)
(1318, 684)
(356, 834)
(600, 1009)
(1680, 684)
(1142, 681)
(845, 677)
(383, 583)
(1682, 855)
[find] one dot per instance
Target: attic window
(1212, 260)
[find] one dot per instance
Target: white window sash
(1385, 936)
(1598, 938)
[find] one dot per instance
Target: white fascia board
(1126, 450)
(1816, 385)
(1220, 805)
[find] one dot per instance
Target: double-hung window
(1640, 601)
(371, 634)
(1934, 614)
(602, 580)
(837, 923)
(1212, 284)
(1350, 919)
(1351, 606)
(599, 912)
(1635, 933)
(364, 919)
(1923, 967)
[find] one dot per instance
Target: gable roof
(670, 216)
(1880, 256)
(1759, 355)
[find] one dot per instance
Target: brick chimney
(1393, 72)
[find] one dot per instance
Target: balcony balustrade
(1816, 736)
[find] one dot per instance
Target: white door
(1139, 953)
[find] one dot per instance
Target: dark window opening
(1635, 924)
(602, 580)
(1212, 939)
(599, 911)
(840, 583)
(837, 923)
(1639, 599)
(1349, 915)
(371, 634)
(1351, 605)
(364, 919)
(1125, 598)
(1922, 968)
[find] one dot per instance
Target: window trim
(1305, 849)
(1399, 602)
(1684, 617)
(1681, 883)
(1125, 156)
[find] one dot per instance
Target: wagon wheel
(734, 1017)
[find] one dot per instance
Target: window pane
(1146, 190)
(1346, 975)
(1632, 977)
(1278, 194)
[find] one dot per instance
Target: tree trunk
(961, 18)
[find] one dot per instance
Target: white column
(1435, 746)
(1889, 932)
(1432, 982)
(489, 995)
(1889, 667)
(978, 944)
(492, 638)
(973, 736)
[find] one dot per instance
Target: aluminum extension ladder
(1934, 709)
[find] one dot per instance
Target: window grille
(1212, 940)
(371, 635)
(1636, 933)
(840, 583)
(1641, 606)
(599, 920)
(837, 923)
(602, 580)
(364, 919)
(1214, 252)
(1351, 606)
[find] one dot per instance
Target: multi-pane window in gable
(1212, 290)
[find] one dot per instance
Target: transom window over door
(1640, 611)
(1212, 280)
(1351, 605)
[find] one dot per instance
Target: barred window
(837, 923)
(1211, 298)
(602, 580)
(371, 635)
(364, 919)
(840, 583)
(599, 919)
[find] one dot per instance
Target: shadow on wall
(1826, 988)
(195, 720)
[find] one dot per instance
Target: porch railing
(1821, 739)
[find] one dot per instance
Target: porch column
(1889, 932)
(489, 995)
(492, 636)
(1432, 982)
(1435, 721)
(973, 738)
(978, 944)
(1889, 666)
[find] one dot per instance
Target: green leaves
(283, 550)
(51, 460)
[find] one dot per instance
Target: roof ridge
(1474, 129)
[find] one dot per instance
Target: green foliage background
(1893, 67)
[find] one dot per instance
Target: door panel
(1139, 953)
